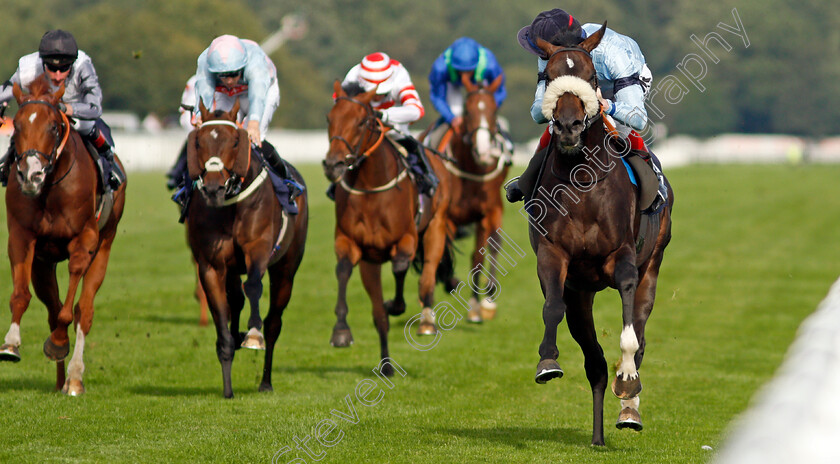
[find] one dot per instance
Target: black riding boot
(273, 159)
(427, 181)
(6, 163)
(115, 174)
(178, 172)
(525, 185)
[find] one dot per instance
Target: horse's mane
(353, 89)
(40, 86)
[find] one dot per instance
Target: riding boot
(427, 181)
(273, 159)
(115, 175)
(518, 189)
(6, 163)
(178, 172)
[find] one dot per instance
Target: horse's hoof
(341, 338)
(394, 309)
(626, 389)
(266, 387)
(73, 387)
(9, 353)
(427, 322)
(55, 352)
(474, 315)
(488, 310)
(548, 369)
(254, 340)
(629, 418)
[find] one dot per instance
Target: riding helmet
(58, 47)
(226, 54)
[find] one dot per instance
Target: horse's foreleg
(201, 297)
(213, 281)
(235, 303)
(582, 328)
(482, 308)
(434, 246)
(627, 384)
(401, 257)
(82, 250)
(253, 291)
(551, 271)
(21, 251)
(372, 280)
(348, 255)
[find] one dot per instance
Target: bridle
(233, 184)
(371, 123)
(587, 120)
(58, 145)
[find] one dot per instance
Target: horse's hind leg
(46, 289)
(253, 291)
(372, 280)
(281, 292)
(400, 261)
(582, 328)
(484, 309)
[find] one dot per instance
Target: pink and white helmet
(377, 69)
(226, 54)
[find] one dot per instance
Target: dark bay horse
(588, 234)
(237, 226)
(379, 216)
(57, 210)
(477, 174)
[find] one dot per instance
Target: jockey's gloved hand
(62, 107)
(382, 116)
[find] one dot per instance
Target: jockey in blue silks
(464, 57)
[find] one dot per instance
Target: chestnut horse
(380, 217)
(478, 170)
(585, 230)
(57, 210)
(235, 226)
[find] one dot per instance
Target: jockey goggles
(62, 68)
(229, 74)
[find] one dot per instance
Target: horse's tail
(445, 271)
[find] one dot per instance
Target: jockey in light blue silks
(623, 80)
(59, 58)
(229, 69)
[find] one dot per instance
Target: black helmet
(58, 47)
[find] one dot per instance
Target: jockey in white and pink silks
(398, 105)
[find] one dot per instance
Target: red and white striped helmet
(377, 68)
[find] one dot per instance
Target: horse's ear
(339, 92)
(233, 111)
(17, 92)
(593, 40)
(497, 82)
(469, 86)
(205, 115)
(59, 93)
(193, 166)
(547, 47)
(243, 153)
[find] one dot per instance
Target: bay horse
(478, 170)
(57, 210)
(589, 234)
(235, 226)
(380, 217)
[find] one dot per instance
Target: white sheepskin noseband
(571, 84)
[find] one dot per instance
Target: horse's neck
(379, 168)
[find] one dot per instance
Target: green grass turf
(753, 252)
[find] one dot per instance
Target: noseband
(355, 157)
(60, 140)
